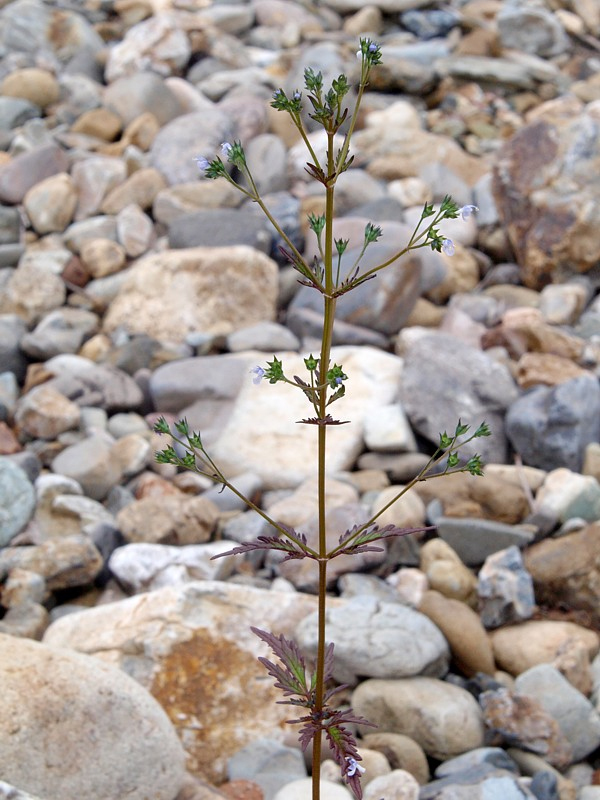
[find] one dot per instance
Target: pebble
(17, 500)
(505, 589)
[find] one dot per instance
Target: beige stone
(51, 203)
(172, 519)
(44, 413)
(462, 275)
(547, 369)
(444, 719)
(184, 644)
(100, 123)
(446, 573)
(213, 290)
(65, 709)
(519, 647)
(31, 83)
(102, 257)
(468, 639)
(407, 512)
(140, 188)
(402, 752)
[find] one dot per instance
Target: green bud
(166, 456)
(341, 245)
(274, 371)
(182, 427)
(475, 466)
(313, 81)
(335, 376)
(452, 460)
(372, 233)
(460, 429)
(445, 441)
(482, 430)
(311, 363)
(161, 426)
(316, 224)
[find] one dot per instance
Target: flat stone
(476, 539)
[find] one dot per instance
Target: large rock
(281, 452)
(472, 387)
(79, 729)
(211, 290)
(550, 427)
(192, 648)
(546, 193)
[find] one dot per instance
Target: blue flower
(466, 211)
(202, 163)
(448, 247)
(353, 767)
(259, 374)
(226, 149)
(373, 47)
(296, 95)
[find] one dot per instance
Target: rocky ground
(131, 288)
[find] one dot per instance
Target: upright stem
(326, 340)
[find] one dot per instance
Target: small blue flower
(372, 47)
(338, 380)
(353, 767)
(226, 149)
(202, 163)
(277, 94)
(259, 374)
(296, 95)
(448, 247)
(466, 211)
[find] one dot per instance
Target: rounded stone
(33, 84)
(444, 719)
(17, 500)
(76, 728)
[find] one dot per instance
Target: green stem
(326, 340)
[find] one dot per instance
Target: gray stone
(445, 380)
(221, 227)
(61, 331)
(267, 763)
(10, 224)
(429, 23)
(142, 92)
(266, 336)
(478, 783)
(186, 137)
(551, 426)
(476, 539)
(12, 330)
(15, 111)
(17, 500)
(89, 384)
(529, 28)
(495, 756)
(91, 464)
(378, 639)
(28, 168)
(505, 589)
(576, 716)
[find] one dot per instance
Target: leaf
(363, 542)
(290, 675)
(326, 420)
(268, 543)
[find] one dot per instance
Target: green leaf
(482, 430)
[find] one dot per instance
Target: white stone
(388, 430)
